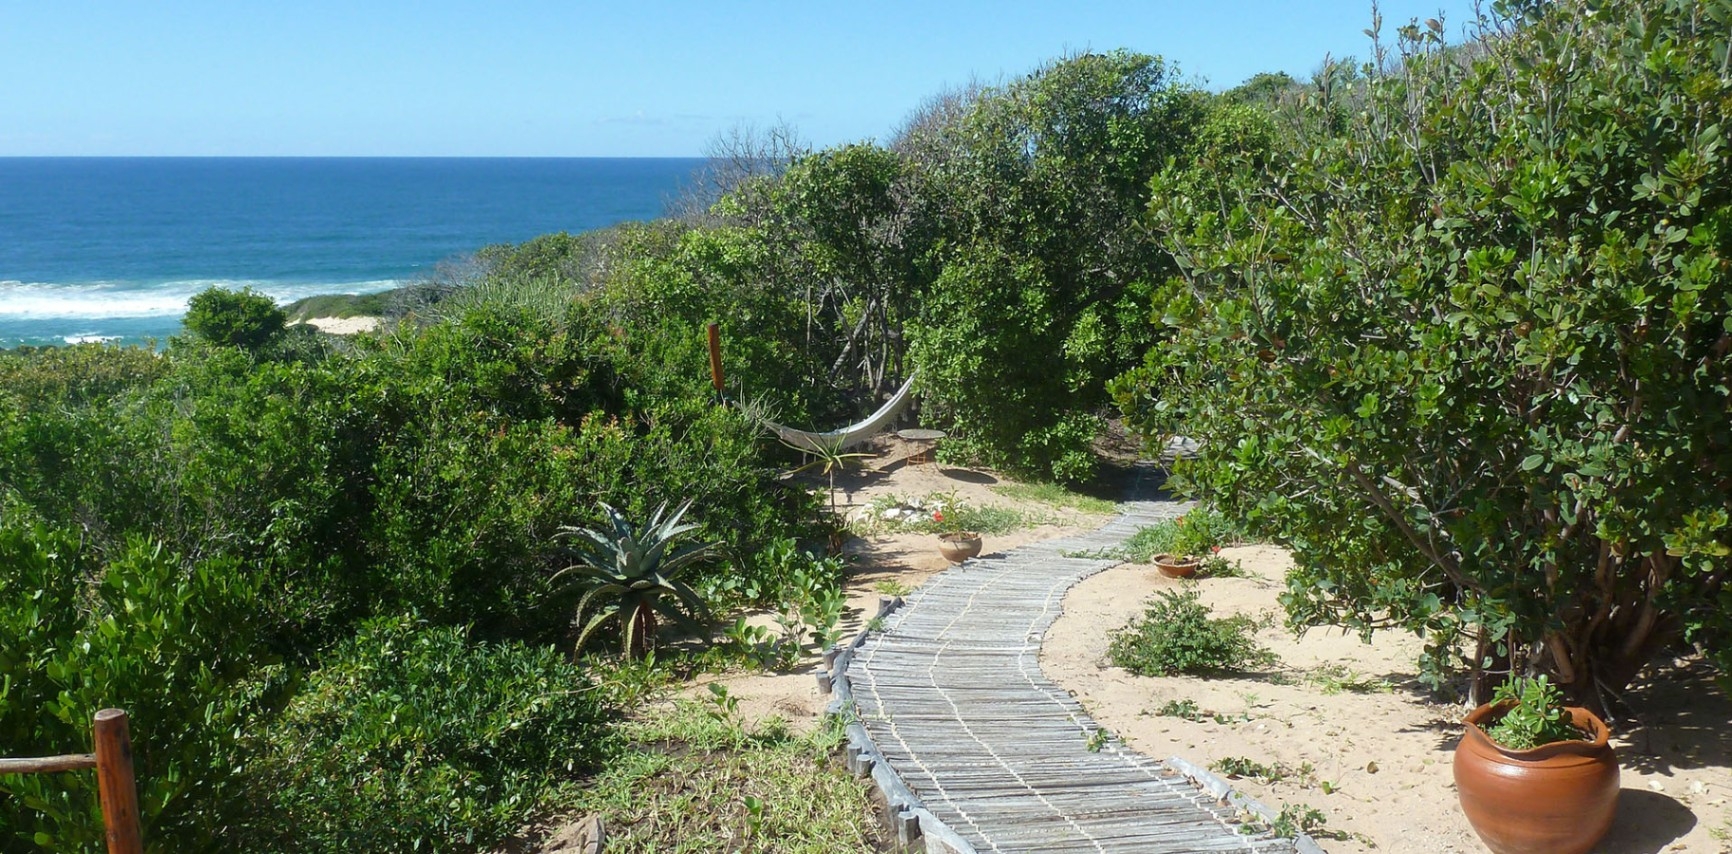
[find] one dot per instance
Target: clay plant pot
(959, 546)
(1175, 566)
(1557, 798)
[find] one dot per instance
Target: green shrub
(79, 374)
(1176, 635)
(1465, 350)
(1036, 188)
(1198, 533)
(244, 318)
(145, 632)
(414, 738)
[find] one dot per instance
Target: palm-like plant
(634, 573)
(830, 459)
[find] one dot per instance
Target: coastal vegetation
(1452, 325)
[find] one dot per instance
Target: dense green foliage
(1455, 326)
(414, 738)
(211, 498)
(172, 641)
(243, 318)
(1042, 275)
(1466, 352)
(1176, 634)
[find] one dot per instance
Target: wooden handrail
(115, 786)
(48, 764)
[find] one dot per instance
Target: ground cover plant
(1176, 634)
(695, 778)
(1201, 532)
(1463, 346)
(1056, 495)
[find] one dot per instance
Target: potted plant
(1534, 775)
(956, 545)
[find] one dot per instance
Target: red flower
(937, 515)
(1215, 549)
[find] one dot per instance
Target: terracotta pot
(959, 546)
(1556, 798)
(1174, 566)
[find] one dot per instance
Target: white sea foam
(89, 339)
(98, 300)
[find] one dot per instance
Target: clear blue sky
(573, 78)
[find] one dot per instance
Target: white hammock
(853, 434)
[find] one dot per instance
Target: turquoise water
(111, 248)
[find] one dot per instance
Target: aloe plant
(830, 459)
(633, 575)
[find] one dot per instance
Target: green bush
(168, 642)
(1198, 533)
(1041, 273)
(414, 738)
(1468, 355)
(1176, 635)
(243, 318)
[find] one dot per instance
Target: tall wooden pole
(115, 786)
(716, 357)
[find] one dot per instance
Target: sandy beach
(344, 325)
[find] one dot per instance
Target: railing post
(115, 786)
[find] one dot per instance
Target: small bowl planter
(959, 546)
(1557, 798)
(1177, 566)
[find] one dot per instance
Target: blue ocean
(111, 248)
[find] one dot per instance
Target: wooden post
(115, 787)
(716, 357)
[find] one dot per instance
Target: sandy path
(1384, 750)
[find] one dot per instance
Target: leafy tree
(243, 318)
(1042, 269)
(1468, 357)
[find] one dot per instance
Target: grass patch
(1055, 495)
(337, 305)
(941, 512)
(693, 778)
(1334, 679)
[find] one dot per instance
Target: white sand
(344, 325)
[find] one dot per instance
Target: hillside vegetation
(1453, 325)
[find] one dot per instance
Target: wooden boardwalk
(977, 751)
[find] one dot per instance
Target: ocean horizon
(111, 248)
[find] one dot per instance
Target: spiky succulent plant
(632, 574)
